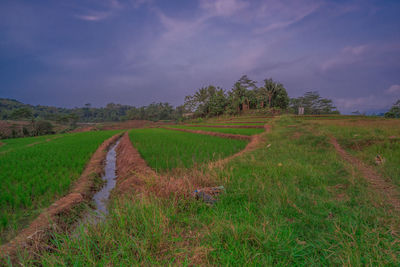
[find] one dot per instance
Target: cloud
(103, 10)
(222, 7)
(176, 29)
(362, 103)
(94, 16)
(349, 55)
(275, 15)
(284, 16)
(393, 90)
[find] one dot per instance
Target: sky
(68, 53)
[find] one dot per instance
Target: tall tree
(207, 101)
(277, 95)
(313, 103)
(394, 111)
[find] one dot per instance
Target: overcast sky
(68, 53)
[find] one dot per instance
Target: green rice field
(291, 202)
(165, 149)
(242, 131)
(34, 176)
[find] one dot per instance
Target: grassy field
(32, 177)
(227, 123)
(22, 143)
(366, 138)
(242, 131)
(165, 149)
(293, 201)
(232, 120)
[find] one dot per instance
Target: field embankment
(289, 200)
(165, 149)
(48, 169)
(216, 133)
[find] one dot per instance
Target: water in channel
(102, 196)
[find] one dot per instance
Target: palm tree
(271, 87)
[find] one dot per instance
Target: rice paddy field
(165, 149)
(229, 123)
(242, 131)
(21, 143)
(292, 200)
(36, 171)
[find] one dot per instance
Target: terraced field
(165, 149)
(292, 199)
(229, 123)
(36, 171)
(241, 131)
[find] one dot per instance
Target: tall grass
(32, 177)
(165, 149)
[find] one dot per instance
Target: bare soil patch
(84, 129)
(376, 181)
(39, 231)
(227, 126)
(297, 135)
(126, 125)
(224, 135)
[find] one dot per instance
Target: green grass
(164, 149)
(229, 123)
(293, 203)
(22, 143)
(365, 138)
(32, 177)
(242, 131)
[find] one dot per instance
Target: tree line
(11, 109)
(271, 97)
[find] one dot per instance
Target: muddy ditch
(35, 236)
(101, 197)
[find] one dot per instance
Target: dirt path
(38, 232)
(254, 143)
(376, 181)
(224, 135)
(228, 126)
(132, 170)
(133, 174)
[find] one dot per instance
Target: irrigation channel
(102, 196)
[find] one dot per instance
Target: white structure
(301, 111)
